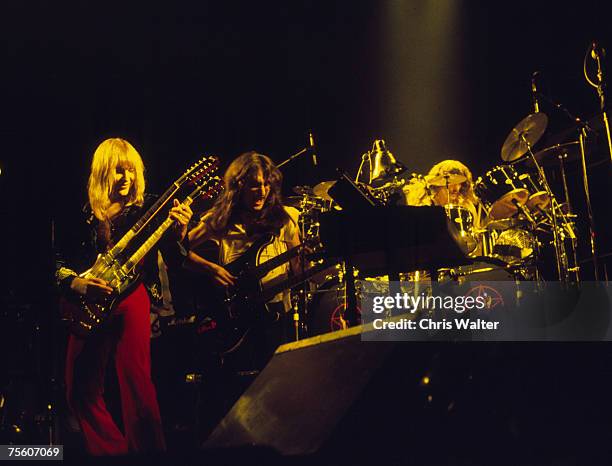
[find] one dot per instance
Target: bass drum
(489, 269)
(327, 309)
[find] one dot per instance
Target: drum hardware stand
(587, 194)
(567, 221)
(562, 274)
(584, 130)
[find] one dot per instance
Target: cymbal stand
(585, 129)
(559, 254)
(567, 221)
(303, 302)
(447, 203)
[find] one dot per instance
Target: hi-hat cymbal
(504, 223)
(441, 180)
(524, 135)
(322, 188)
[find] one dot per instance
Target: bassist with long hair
(249, 216)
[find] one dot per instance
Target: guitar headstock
(213, 188)
(208, 188)
(206, 165)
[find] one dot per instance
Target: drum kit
(518, 220)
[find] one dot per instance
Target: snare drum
(499, 189)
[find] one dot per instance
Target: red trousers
(128, 336)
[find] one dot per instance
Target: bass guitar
(247, 302)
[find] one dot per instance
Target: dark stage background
(435, 79)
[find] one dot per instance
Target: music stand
(389, 240)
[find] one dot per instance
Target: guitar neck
(203, 166)
(269, 293)
(143, 221)
(150, 242)
(262, 269)
(159, 232)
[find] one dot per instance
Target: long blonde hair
(109, 155)
(454, 167)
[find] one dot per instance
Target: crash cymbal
(441, 180)
(303, 190)
(528, 131)
(549, 157)
(322, 188)
(505, 206)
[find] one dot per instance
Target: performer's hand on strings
(92, 288)
(220, 275)
(181, 214)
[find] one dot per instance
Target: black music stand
(389, 240)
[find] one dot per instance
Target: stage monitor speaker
(335, 396)
(302, 394)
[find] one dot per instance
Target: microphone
(312, 149)
(534, 91)
(597, 51)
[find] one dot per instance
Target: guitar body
(247, 304)
(242, 312)
(83, 316)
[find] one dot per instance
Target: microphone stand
(602, 97)
(305, 285)
(294, 156)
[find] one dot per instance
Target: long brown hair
(242, 169)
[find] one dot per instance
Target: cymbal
(303, 190)
(304, 203)
(505, 223)
(549, 156)
(322, 188)
(505, 206)
(441, 180)
(524, 135)
(539, 200)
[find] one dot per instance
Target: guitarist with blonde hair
(116, 191)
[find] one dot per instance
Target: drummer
(448, 183)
